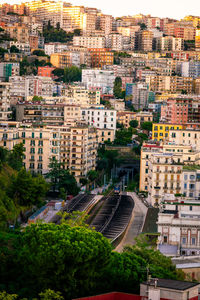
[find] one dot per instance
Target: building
(25, 86)
(181, 110)
(140, 95)
(18, 32)
(144, 40)
(79, 95)
(178, 225)
(51, 48)
(98, 79)
(190, 69)
(101, 57)
(8, 69)
(89, 41)
(100, 117)
(46, 71)
(23, 47)
(172, 84)
(158, 289)
(5, 101)
(105, 135)
(160, 131)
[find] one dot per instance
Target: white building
(99, 79)
(179, 227)
(89, 41)
(114, 41)
(25, 86)
(23, 47)
(5, 111)
(51, 48)
(100, 117)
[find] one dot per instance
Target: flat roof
(173, 284)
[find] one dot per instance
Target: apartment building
(82, 96)
(25, 86)
(48, 114)
(181, 110)
(140, 95)
(18, 32)
(74, 146)
(98, 79)
(46, 71)
(178, 225)
(101, 57)
(67, 59)
(8, 69)
(89, 41)
(160, 131)
(124, 117)
(23, 47)
(115, 41)
(190, 69)
(106, 23)
(173, 84)
(99, 117)
(51, 48)
(161, 169)
(5, 101)
(197, 39)
(144, 40)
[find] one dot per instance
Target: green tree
(92, 175)
(3, 51)
(37, 98)
(143, 26)
(15, 157)
(72, 74)
(38, 53)
(117, 90)
(26, 189)
(146, 126)
(5, 296)
(123, 137)
(133, 123)
(59, 257)
(14, 49)
(51, 295)
(61, 178)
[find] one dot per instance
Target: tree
(14, 49)
(37, 99)
(133, 123)
(26, 189)
(3, 51)
(61, 178)
(92, 175)
(117, 90)
(51, 295)
(72, 74)
(123, 137)
(147, 126)
(15, 157)
(59, 257)
(38, 53)
(143, 26)
(5, 296)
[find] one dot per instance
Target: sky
(171, 8)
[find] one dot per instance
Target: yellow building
(160, 131)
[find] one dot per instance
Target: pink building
(175, 111)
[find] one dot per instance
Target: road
(136, 223)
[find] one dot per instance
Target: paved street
(136, 223)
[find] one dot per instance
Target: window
(23, 134)
(39, 166)
(185, 177)
(40, 143)
(40, 158)
(32, 143)
(146, 171)
(185, 185)
(33, 135)
(190, 207)
(40, 135)
(40, 151)
(165, 239)
(193, 241)
(32, 150)
(184, 240)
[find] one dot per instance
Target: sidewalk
(136, 223)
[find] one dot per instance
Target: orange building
(101, 57)
(46, 71)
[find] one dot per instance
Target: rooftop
(172, 284)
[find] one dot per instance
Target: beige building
(161, 168)
(19, 32)
(117, 104)
(89, 41)
(5, 100)
(82, 96)
(172, 84)
(105, 135)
